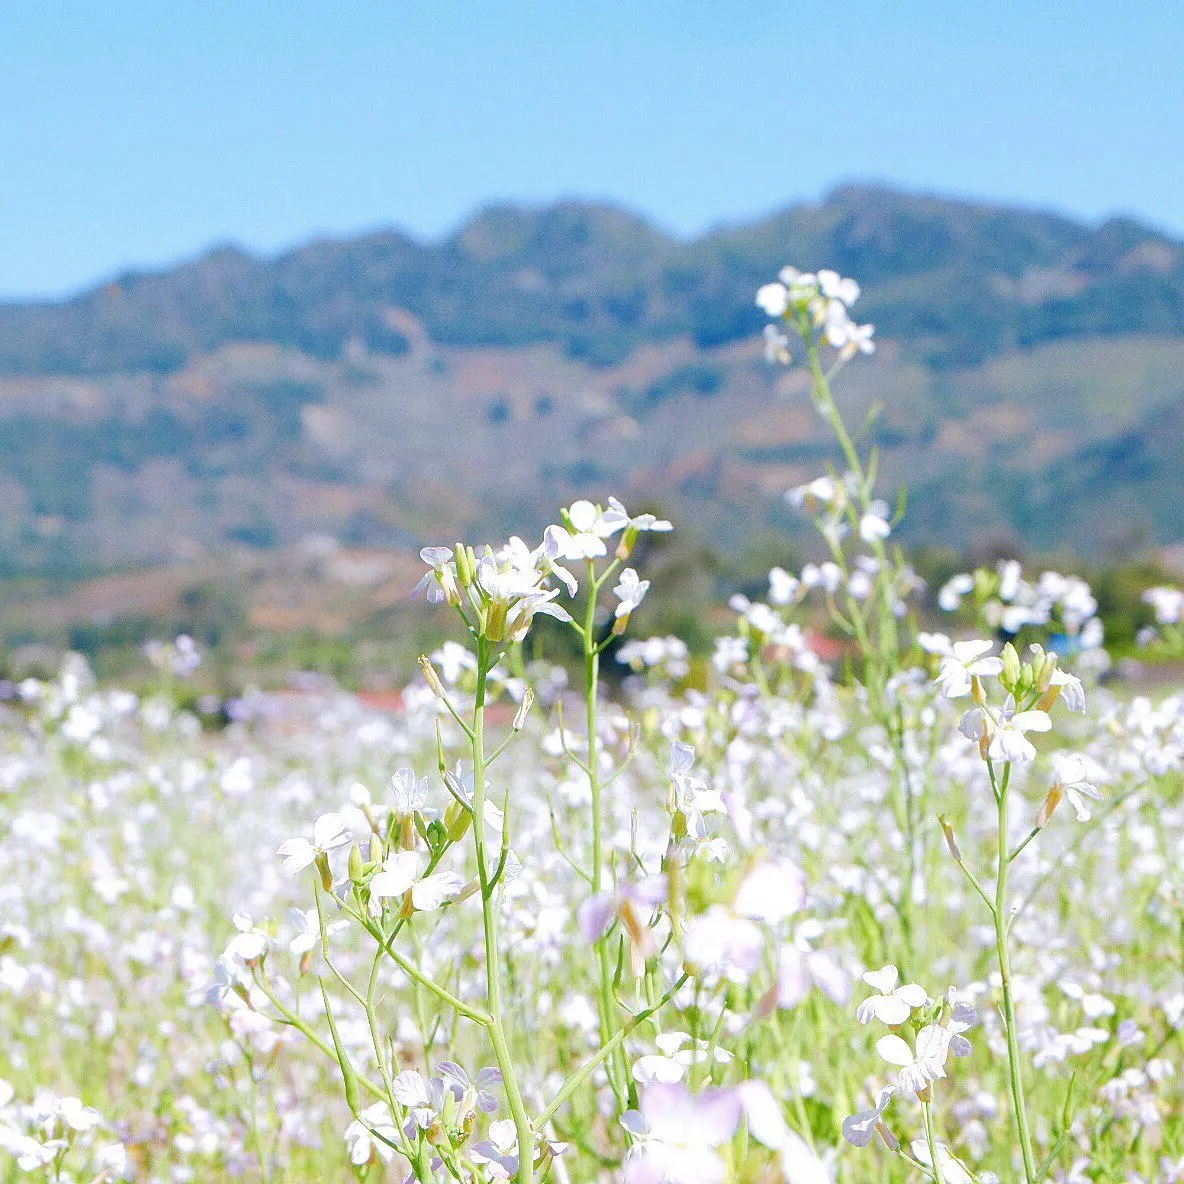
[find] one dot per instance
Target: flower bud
(464, 565)
(357, 867)
(1010, 674)
(456, 820)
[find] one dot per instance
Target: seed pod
(348, 1076)
(951, 841)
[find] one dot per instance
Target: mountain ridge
(600, 280)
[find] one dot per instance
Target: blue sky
(134, 133)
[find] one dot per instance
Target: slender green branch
(586, 1070)
(1020, 1115)
(493, 990)
(931, 1140)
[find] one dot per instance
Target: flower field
(911, 913)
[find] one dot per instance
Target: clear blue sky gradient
(136, 132)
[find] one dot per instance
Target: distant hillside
(956, 281)
(379, 391)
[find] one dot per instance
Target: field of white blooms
(913, 914)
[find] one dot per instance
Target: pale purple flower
(859, 1128)
(677, 1135)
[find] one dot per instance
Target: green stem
(931, 1139)
(493, 988)
(618, 1071)
(586, 1070)
(1013, 1043)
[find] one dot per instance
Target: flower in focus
(630, 592)
(499, 1152)
(328, 833)
(968, 661)
(926, 1064)
(1008, 742)
(587, 526)
(440, 583)
(892, 1004)
(1072, 773)
(400, 874)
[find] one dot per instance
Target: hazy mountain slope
(379, 390)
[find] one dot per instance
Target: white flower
(873, 526)
(950, 596)
(364, 1145)
(328, 832)
(835, 287)
(1166, 603)
(77, 1116)
(967, 660)
(773, 298)
(935, 643)
(771, 892)
(617, 516)
(1072, 692)
(308, 929)
(892, 1004)
(439, 584)
(589, 527)
(1008, 742)
(1072, 771)
(822, 490)
(776, 346)
(422, 1100)
(927, 1064)
(630, 591)
(783, 588)
(409, 794)
(675, 1058)
(400, 873)
(500, 1151)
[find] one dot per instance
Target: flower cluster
(813, 301)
